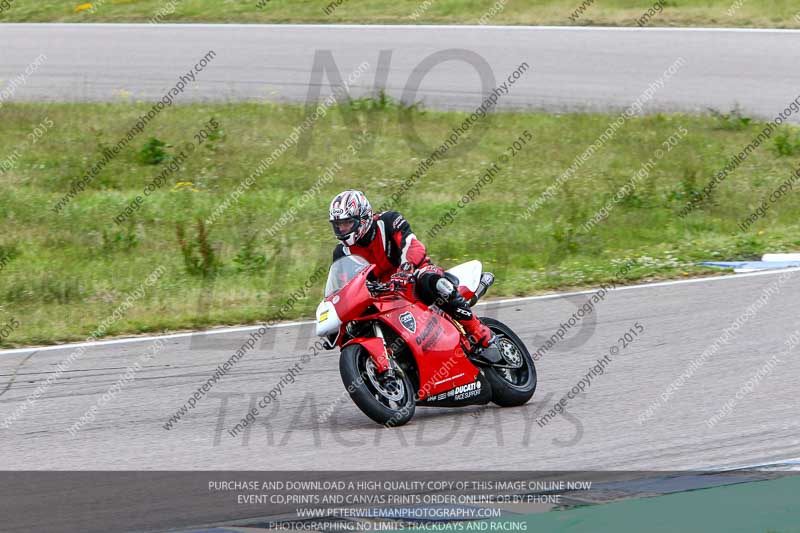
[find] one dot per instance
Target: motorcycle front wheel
(514, 384)
(386, 400)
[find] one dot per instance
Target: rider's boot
(482, 339)
(480, 336)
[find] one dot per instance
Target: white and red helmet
(350, 216)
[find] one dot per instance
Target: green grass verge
(63, 274)
(746, 13)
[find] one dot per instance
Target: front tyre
(515, 385)
(387, 401)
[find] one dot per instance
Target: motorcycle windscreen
(342, 271)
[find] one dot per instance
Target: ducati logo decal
(430, 334)
(408, 322)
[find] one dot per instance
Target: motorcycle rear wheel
(387, 401)
(510, 387)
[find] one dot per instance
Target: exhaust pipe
(487, 279)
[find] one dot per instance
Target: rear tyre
(387, 401)
(510, 386)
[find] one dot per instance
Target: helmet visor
(344, 227)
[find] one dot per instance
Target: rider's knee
(446, 287)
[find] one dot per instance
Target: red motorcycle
(397, 352)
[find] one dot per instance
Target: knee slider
(445, 288)
(452, 278)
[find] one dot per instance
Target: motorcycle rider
(386, 240)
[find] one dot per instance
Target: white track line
(648, 285)
(220, 331)
(420, 27)
(215, 331)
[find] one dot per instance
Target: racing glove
(406, 267)
(403, 277)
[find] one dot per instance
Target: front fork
(383, 362)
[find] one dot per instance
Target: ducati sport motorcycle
(398, 353)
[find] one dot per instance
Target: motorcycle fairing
(469, 277)
(478, 392)
(328, 320)
(354, 298)
(376, 350)
(442, 363)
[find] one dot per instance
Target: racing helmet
(350, 216)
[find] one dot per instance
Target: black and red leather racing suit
(390, 244)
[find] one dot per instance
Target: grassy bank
(63, 273)
(745, 13)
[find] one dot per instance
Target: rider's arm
(411, 249)
(338, 252)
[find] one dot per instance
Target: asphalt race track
(572, 68)
(601, 430)
(650, 409)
